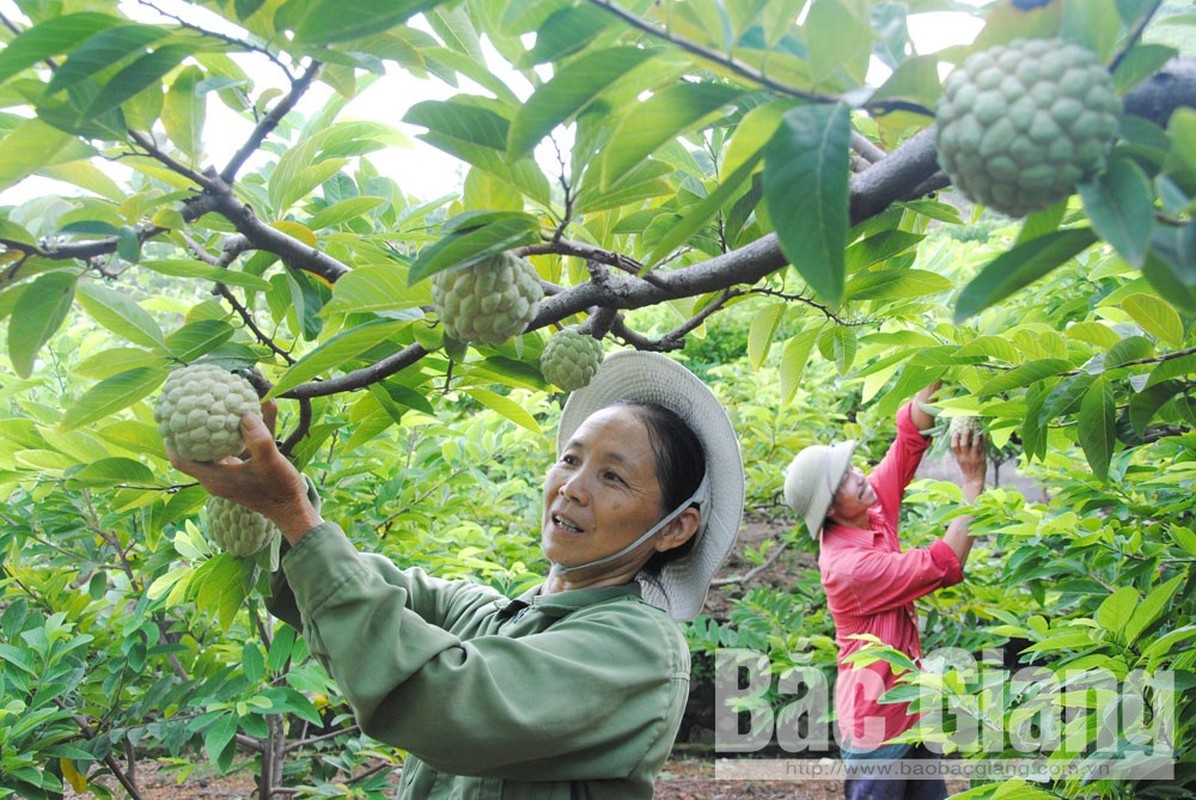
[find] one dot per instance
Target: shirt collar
(850, 535)
(558, 604)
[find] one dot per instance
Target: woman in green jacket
(574, 689)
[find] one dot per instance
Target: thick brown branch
(360, 378)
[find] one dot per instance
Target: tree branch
(299, 87)
(241, 43)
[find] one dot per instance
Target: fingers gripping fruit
(570, 359)
(1019, 125)
(236, 529)
(199, 411)
(487, 302)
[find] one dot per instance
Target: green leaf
(1030, 372)
(38, 313)
(1096, 426)
(838, 41)
(661, 118)
(570, 91)
(101, 51)
(763, 328)
(1155, 316)
(32, 146)
(53, 37)
(141, 74)
(806, 167)
(891, 284)
(794, 357)
(117, 312)
(128, 244)
(377, 287)
(697, 216)
(317, 22)
(1146, 403)
(343, 211)
(112, 471)
(198, 338)
(1171, 265)
(180, 268)
(466, 244)
(1120, 205)
(280, 649)
(1019, 267)
(111, 395)
(1151, 608)
(506, 407)
(1116, 609)
(565, 32)
(335, 352)
(184, 111)
(219, 736)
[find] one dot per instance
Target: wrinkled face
(602, 493)
(853, 496)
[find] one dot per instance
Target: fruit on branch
(1019, 125)
(199, 411)
(236, 529)
(570, 359)
(489, 301)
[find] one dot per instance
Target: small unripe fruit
(571, 359)
(1020, 124)
(487, 302)
(964, 424)
(199, 411)
(236, 529)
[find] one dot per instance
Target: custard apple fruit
(1019, 125)
(570, 359)
(236, 529)
(199, 411)
(487, 302)
(965, 423)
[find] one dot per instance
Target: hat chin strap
(699, 496)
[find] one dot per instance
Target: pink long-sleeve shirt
(871, 585)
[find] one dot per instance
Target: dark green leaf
(1034, 431)
(112, 471)
(1131, 348)
(92, 227)
(198, 338)
(128, 245)
(1019, 267)
(1096, 426)
(880, 247)
(53, 37)
(1120, 204)
(570, 91)
(1146, 403)
(247, 8)
(461, 249)
(111, 395)
(806, 167)
(220, 735)
(1142, 61)
(38, 313)
(1171, 265)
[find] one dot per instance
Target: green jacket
(569, 695)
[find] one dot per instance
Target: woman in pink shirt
(871, 583)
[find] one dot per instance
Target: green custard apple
(236, 529)
(487, 302)
(570, 359)
(199, 411)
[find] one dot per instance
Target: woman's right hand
(262, 480)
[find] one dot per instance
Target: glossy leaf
(659, 119)
(763, 328)
(198, 270)
(55, 36)
(501, 232)
(506, 407)
(570, 91)
(146, 71)
(318, 22)
(101, 51)
(1097, 426)
(1024, 375)
(1155, 316)
(806, 168)
(1019, 267)
(1151, 608)
(113, 394)
(197, 339)
(38, 313)
(117, 312)
(794, 357)
(567, 31)
(1146, 403)
(1120, 205)
(1116, 609)
(377, 287)
(332, 354)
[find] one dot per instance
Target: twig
(243, 312)
(301, 429)
(811, 302)
(754, 571)
(1134, 35)
(154, 152)
(299, 86)
(249, 46)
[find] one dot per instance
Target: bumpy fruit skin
(487, 302)
(570, 359)
(199, 411)
(1019, 125)
(961, 424)
(236, 529)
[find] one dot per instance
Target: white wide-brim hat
(812, 479)
(635, 376)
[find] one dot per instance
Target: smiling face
(602, 494)
(853, 496)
